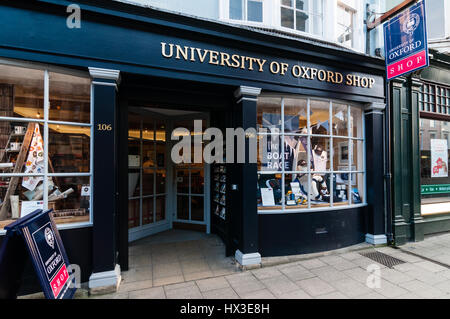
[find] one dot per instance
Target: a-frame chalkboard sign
(37, 234)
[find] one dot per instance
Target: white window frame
(272, 21)
(310, 13)
(224, 13)
(354, 13)
(331, 136)
(45, 121)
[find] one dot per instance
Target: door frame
(170, 212)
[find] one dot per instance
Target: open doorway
(163, 195)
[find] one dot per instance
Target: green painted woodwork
(408, 224)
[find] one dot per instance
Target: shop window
(302, 15)
(345, 24)
(310, 154)
(45, 144)
(247, 10)
(69, 98)
(434, 158)
(22, 92)
(69, 148)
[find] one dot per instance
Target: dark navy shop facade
(149, 72)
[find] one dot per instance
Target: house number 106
(104, 127)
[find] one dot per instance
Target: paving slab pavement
(339, 276)
(201, 271)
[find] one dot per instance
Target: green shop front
(420, 106)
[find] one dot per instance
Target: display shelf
(313, 205)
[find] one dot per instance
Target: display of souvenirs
(219, 194)
(35, 160)
(217, 211)
(290, 199)
(275, 185)
(341, 192)
(356, 198)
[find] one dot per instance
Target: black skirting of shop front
(117, 36)
(304, 233)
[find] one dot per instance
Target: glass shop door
(147, 175)
(190, 185)
(160, 192)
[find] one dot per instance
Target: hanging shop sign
(37, 234)
(439, 158)
(405, 42)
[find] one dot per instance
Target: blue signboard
(43, 242)
(405, 41)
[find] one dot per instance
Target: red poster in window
(439, 158)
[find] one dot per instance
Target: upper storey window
(345, 24)
(247, 10)
(302, 15)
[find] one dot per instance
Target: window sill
(435, 209)
(63, 226)
(306, 210)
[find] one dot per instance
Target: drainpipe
(387, 165)
(368, 15)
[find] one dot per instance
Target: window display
(38, 172)
(310, 154)
(434, 159)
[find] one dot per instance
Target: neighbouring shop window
(434, 159)
(247, 10)
(45, 144)
(434, 99)
(302, 15)
(310, 154)
(345, 21)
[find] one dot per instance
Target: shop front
(89, 120)
(421, 115)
